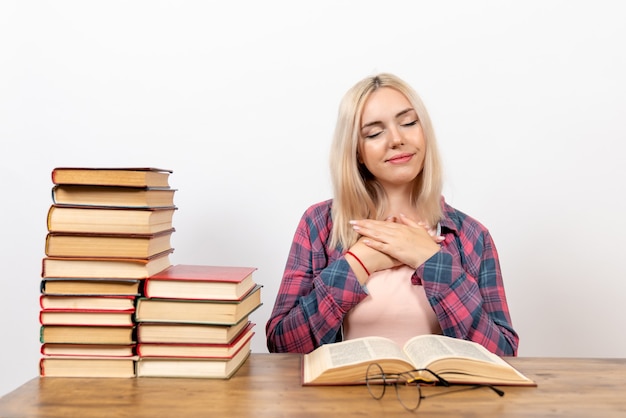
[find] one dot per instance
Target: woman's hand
(373, 259)
(404, 241)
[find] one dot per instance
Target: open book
(457, 361)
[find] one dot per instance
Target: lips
(400, 158)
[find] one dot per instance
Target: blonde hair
(357, 194)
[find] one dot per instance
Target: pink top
(395, 309)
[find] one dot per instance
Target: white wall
(239, 99)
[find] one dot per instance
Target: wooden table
(269, 385)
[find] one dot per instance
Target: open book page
(462, 361)
(456, 360)
(425, 349)
(352, 357)
(363, 350)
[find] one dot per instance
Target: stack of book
(108, 230)
(193, 321)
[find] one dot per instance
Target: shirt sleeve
(464, 285)
(315, 294)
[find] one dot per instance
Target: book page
(346, 361)
(362, 350)
(426, 349)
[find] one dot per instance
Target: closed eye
(374, 135)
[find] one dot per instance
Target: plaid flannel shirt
(462, 281)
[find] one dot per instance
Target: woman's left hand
(406, 240)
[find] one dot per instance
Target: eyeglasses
(408, 385)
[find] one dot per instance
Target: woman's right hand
(373, 259)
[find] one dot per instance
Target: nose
(395, 137)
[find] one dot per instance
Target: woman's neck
(400, 202)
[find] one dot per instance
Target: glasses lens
(409, 392)
(375, 380)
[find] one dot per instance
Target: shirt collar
(450, 221)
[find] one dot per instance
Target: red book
(197, 350)
(185, 281)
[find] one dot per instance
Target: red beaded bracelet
(360, 262)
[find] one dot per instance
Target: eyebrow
(377, 122)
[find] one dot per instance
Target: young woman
(387, 255)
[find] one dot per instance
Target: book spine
(42, 371)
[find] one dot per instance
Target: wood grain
(269, 385)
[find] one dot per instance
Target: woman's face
(391, 141)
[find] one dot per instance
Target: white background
(239, 98)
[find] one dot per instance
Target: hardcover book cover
(184, 281)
